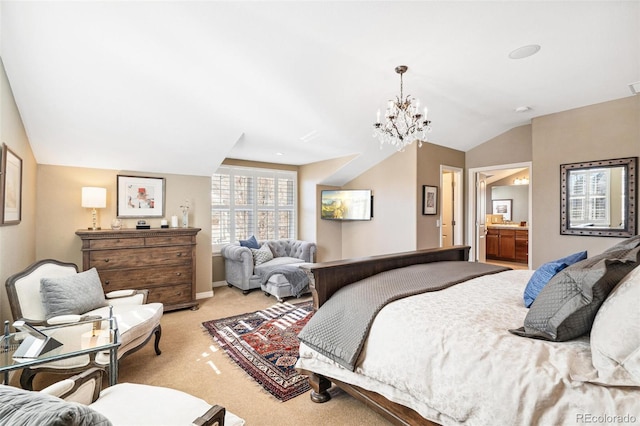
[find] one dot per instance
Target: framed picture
(140, 196)
(429, 199)
(11, 186)
(502, 207)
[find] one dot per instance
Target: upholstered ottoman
(278, 285)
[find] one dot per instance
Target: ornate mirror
(598, 198)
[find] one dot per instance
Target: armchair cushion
(72, 294)
(22, 407)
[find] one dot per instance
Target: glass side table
(88, 337)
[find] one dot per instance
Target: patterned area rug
(265, 344)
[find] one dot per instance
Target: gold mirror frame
(628, 202)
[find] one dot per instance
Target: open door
(481, 215)
(451, 213)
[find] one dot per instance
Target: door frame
(472, 207)
(458, 193)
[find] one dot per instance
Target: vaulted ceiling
(177, 86)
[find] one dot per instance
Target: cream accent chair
(80, 400)
(137, 320)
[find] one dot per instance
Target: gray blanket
(339, 328)
(297, 277)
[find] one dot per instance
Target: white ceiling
(177, 86)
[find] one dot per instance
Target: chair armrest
(66, 319)
(213, 416)
(130, 297)
(236, 253)
(83, 388)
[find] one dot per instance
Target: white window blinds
(250, 201)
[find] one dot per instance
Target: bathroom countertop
(506, 226)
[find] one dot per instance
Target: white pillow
(261, 255)
(615, 336)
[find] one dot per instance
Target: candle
(174, 221)
(378, 116)
(163, 222)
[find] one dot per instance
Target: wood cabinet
(507, 244)
(162, 261)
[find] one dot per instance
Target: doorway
(480, 179)
(451, 226)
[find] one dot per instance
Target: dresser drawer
(168, 240)
(116, 243)
(170, 295)
(160, 256)
(147, 278)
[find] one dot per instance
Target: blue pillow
(251, 243)
(544, 273)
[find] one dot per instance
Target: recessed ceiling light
(635, 87)
(279, 153)
(524, 51)
(523, 109)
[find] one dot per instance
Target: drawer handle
(106, 261)
(178, 273)
(106, 282)
(180, 254)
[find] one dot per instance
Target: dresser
(162, 261)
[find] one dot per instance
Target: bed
(447, 357)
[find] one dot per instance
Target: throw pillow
(72, 294)
(261, 255)
(23, 407)
(628, 244)
(567, 305)
(251, 242)
(615, 336)
(544, 273)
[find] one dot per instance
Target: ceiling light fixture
(524, 51)
(522, 109)
(403, 122)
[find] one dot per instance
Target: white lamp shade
(93, 197)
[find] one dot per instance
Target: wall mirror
(598, 198)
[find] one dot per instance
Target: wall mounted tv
(347, 204)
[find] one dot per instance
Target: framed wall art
(502, 207)
(11, 186)
(140, 196)
(429, 199)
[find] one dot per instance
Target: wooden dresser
(162, 261)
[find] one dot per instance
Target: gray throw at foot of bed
(338, 330)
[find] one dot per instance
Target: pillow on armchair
(72, 294)
(261, 255)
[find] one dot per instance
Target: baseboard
(218, 284)
(204, 295)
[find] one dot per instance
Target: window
(249, 201)
(588, 197)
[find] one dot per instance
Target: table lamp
(94, 198)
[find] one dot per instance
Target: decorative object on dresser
(53, 294)
(94, 198)
(160, 260)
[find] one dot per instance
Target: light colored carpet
(191, 362)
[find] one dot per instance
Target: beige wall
(17, 242)
(60, 214)
(393, 227)
(512, 146)
(429, 158)
(596, 132)
(327, 234)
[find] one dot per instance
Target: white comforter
(448, 355)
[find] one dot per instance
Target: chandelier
(403, 122)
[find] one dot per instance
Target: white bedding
(449, 356)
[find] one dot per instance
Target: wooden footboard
(327, 278)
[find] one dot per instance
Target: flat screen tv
(347, 204)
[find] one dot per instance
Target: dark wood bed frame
(326, 278)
